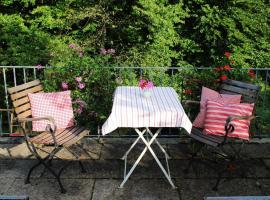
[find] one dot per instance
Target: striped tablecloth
(131, 109)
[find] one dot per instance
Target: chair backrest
(20, 100)
(248, 91)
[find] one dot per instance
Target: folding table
(132, 110)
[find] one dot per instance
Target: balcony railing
(175, 76)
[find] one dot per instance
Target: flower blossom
(227, 54)
(81, 103)
(81, 85)
(72, 46)
(146, 84)
(78, 79)
(81, 54)
(227, 68)
(39, 67)
(223, 77)
(64, 85)
(79, 110)
(103, 51)
(111, 51)
(219, 68)
(187, 91)
(251, 73)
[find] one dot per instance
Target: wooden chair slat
(242, 84)
(244, 99)
(77, 138)
(23, 86)
(23, 108)
(69, 136)
(24, 93)
(21, 101)
(238, 90)
(25, 114)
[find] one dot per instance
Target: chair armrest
(50, 119)
(6, 110)
(49, 128)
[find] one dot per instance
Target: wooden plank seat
(65, 137)
(57, 138)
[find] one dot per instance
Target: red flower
(227, 54)
(219, 68)
(251, 73)
(223, 77)
(227, 68)
(187, 91)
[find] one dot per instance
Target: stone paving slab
(191, 189)
(5, 184)
(48, 189)
(147, 189)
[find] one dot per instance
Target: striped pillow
(212, 95)
(216, 115)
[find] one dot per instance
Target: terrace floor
(105, 173)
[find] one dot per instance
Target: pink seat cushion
(212, 95)
(216, 115)
(57, 105)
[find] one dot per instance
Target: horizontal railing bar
(138, 67)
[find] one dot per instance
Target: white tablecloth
(131, 109)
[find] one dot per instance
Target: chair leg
(215, 188)
(57, 176)
(193, 155)
(27, 180)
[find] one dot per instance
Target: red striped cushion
(216, 115)
(212, 95)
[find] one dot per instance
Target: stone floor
(105, 173)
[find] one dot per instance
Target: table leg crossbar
(147, 147)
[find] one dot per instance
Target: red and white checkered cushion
(216, 115)
(57, 105)
(212, 95)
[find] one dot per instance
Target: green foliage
(146, 33)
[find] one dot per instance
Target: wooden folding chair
(58, 139)
(249, 94)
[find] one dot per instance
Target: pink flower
(81, 85)
(81, 103)
(146, 84)
(72, 46)
(78, 79)
(142, 83)
(81, 54)
(149, 85)
(64, 85)
(103, 51)
(39, 67)
(79, 110)
(111, 51)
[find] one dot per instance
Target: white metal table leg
(162, 149)
(138, 159)
(148, 145)
(132, 146)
